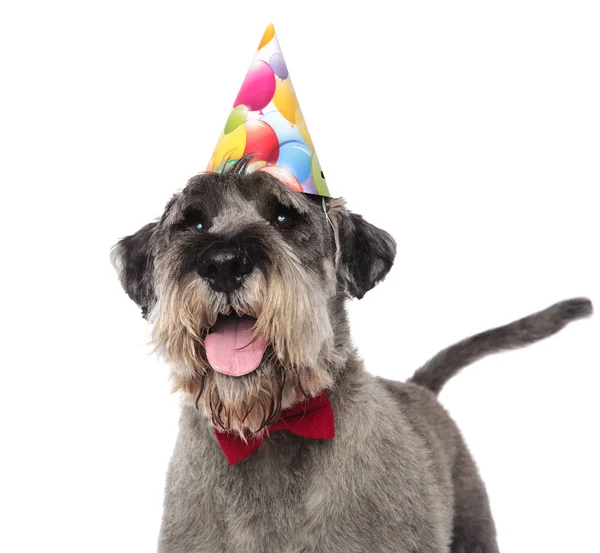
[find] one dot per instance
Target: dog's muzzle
(231, 348)
(225, 268)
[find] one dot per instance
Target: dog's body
(396, 478)
(376, 487)
(384, 484)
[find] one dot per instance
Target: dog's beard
(291, 315)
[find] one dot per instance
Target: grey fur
(397, 477)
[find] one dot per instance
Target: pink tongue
(231, 348)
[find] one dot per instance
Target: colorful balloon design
(236, 118)
(256, 165)
(285, 100)
(261, 141)
(231, 146)
(309, 187)
(286, 132)
(284, 176)
(296, 158)
(302, 129)
(258, 87)
(278, 65)
(278, 139)
(267, 36)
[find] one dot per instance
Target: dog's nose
(224, 269)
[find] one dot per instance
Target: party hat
(266, 123)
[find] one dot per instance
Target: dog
(244, 282)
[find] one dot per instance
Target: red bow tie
(312, 418)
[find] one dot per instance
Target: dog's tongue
(230, 347)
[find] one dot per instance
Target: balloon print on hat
(284, 176)
(230, 146)
(278, 140)
(258, 87)
(286, 132)
(285, 100)
(303, 129)
(261, 141)
(278, 66)
(309, 187)
(296, 158)
(236, 118)
(267, 36)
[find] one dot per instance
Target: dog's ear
(133, 258)
(367, 253)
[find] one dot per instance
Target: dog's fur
(397, 477)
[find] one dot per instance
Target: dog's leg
(474, 530)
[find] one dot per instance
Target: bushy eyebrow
(197, 197)
(200, 198)
(192, 213)
(278, 191)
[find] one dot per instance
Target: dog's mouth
(231, 348)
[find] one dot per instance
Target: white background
(469, 130)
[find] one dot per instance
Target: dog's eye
(284, 220)
(193, 219)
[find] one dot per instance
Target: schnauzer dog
(244, 282)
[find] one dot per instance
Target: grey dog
(397, 476)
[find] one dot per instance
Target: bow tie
(312, 418)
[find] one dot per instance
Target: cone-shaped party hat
(266, 122)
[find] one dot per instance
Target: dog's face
(244, 284)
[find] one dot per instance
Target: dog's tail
(448, 362)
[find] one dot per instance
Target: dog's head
(244, 282)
